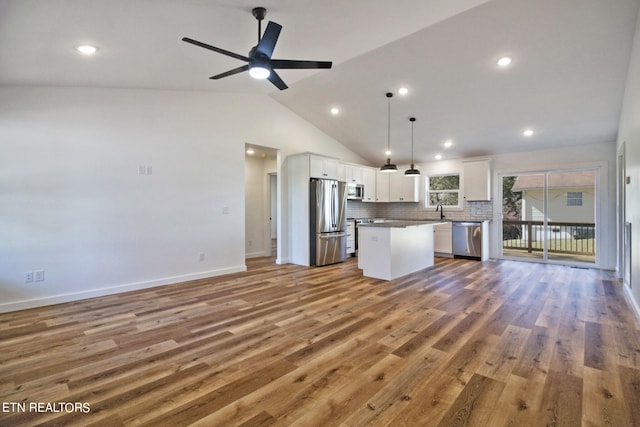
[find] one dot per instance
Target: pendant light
(413, 171)
(389, 167)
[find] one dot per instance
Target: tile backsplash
(476, 211)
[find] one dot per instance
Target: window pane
(449, 199)
(444, 197)
(571, 231)
(522, 210)
(445, 182)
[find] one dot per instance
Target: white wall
(629, 135)
(72, 201)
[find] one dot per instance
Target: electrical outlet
(39, 275)
(28, 277)
(225, 210)
(201, 256)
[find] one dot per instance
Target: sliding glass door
(550, 216)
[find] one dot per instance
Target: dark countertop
(400, 223)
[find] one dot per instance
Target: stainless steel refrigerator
(328, 221)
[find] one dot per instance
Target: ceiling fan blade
(230, 72)
(299, 65)
(215, 49)
(269, 39)
(277, 81)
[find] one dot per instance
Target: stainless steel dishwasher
(467, 240)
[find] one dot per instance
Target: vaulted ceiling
(565, 82)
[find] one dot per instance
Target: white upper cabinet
(382, 186)
(403, 188)
(323, 167)
(476, 180)
(369, 182)
(342, 172)
(353, 174)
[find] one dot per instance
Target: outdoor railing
(563, 237)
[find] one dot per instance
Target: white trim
(621, 215)
(632, 302)
(256, 254)
(427, 192)
(57, 299)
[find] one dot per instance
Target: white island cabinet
(391, 249)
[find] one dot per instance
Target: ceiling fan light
(259, 72)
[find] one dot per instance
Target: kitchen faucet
(439, 206)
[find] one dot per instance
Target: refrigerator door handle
(332, 235)
(333, 206)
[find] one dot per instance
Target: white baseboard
(76, 296)
(631, 300)
(255, 254)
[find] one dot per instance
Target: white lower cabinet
(351, 237)
(443, 239)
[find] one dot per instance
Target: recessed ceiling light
(403, 91)
(438, 157)
(86, 49)
(335, 111)
(527, 132)
(448, 143)
(250, 151)
(504, 61)
(387, 152)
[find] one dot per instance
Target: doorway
(261, 201)
(550, 216)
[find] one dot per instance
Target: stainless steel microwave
(355, 191)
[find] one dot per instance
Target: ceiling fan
(259, 62)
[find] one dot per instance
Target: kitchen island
(391, 249)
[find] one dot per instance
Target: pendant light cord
(389, 95)
(412, 120)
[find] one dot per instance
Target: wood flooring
(498, 343)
